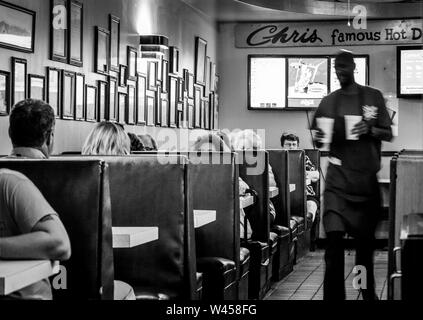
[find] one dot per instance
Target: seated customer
(29, 226)
(213, 143)
(290, 141)
(107, 139)
(136, 144)
(148, 142)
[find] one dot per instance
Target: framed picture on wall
(53, 89)
(122, 100)
(131, 104)
(151, 105)
(76, 32)
(113, 90)
(174, 60)
(198, 95)
(200, 60)
(102, 100)
(206, 114)
(4, 93)
(132, 63)
(79, 97)
(19, 80)
(211, 110)
(165, 76)
(160, 71)
(68, 95)
(165, 110)
(183, 121)
(59, 30)
(141, 99)
(216, 112)
(114, 27)
(189, 83)
(142, 67)
(207, 75)
(158, 109)
(90, 103)
(123, 75)
(212, 80)
(102, 50)
(152, 75)
(17, 27)
(36, 87)
(173, 100)
(181, 90)
(190, 114)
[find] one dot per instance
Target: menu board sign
(410, 71)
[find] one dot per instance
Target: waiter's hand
(360, 128)
(318, 135)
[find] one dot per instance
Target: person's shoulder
(372, 91)
(11, 175)
(329, 100)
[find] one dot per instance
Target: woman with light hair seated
(248, 140)
(107, 139)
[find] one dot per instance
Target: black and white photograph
(230, 158)
(54, 87)
(17, 27)
(4, 93)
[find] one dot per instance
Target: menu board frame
(400, 94)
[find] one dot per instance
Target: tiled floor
(306, 281)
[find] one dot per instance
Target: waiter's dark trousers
(334, 281)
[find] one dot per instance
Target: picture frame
(114, 28)
(112, 99)
(102, 100)
(212, 80)
(132, 62)
(206, 114)
(4, 93)
(216, 112)
(200, 61)
(211, 110)
(207, 76)
(79, 97)
(59, 31)
(131, 104)
(173, 100)
(158, 109)
(152, 75)
(198, 95)
(142, 67)
(174, 60)
(122, 100)
(19, 79)
(102, 42)
(181, 90)
(123, 70)
(183, 123)
(141, 100)
(164, 106)
(76, 33)
(150, 107)
(36, 87)
(190, 114)
(53, 89)
(90, 103)
(19, 27)
(165, 76)
(160, 71)
(189, 83)
(179, 117)
(68, 95)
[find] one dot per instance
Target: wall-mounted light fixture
(153, 46)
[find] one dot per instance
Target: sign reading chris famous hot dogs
(328, 33)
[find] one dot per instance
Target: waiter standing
(352, 202)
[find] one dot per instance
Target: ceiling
(274, 10)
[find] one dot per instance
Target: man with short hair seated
(290, 141)
(31, 129)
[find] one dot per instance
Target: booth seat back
(153, 191)
(215, 186)
(78, 190)
(254, 170)
(296, 165)
(278, 159)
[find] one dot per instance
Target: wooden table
(292, 187)
(246, 201)
(203, 217)
(129, 237)
(16, 275)
(273, 192)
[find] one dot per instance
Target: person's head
(31, 125)
(107, 139)
(290, 141)
(210, 143)
(148, 142)
(136, 144)
(247, 140)
(344, 68)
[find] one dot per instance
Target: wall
(233, 93)
(172, 18)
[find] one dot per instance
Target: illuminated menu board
(410, 71)
(267, 83)
(360, 73)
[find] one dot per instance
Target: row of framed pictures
(184, 104)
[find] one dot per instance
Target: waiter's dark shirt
(355, 179)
